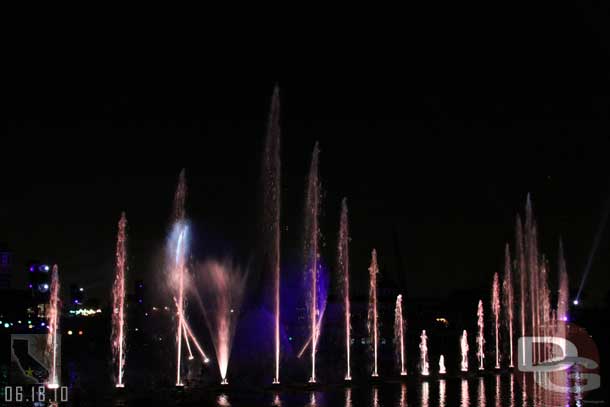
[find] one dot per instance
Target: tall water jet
(272, 209)
(545, 309)
(177, 253)
(177, 276)
(508, 296)
(562, 298)
(118, 303)
(480, 336)
(399, 336)
(442, 393)
(372, 314)
(495, 307)
(521, 267)
(423, 352)
(441, 365)
(464, 351)
(223, 285)
(53, 313)
(343, 260)
(312, 236)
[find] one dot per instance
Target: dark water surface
(492, 390)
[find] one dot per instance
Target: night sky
(434, 142)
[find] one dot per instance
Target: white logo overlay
(559, 369)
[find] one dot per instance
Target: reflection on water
(425, 394)
(481, 393)
(402, 400)
(312, 399)
(376, 397)
(348, 397)
(504, 390)
(465, 397)
(442, 393)
(498, 401)
(223, 401)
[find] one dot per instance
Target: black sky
(435, 138)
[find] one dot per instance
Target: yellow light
(69, 332)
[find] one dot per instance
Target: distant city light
(80, 333)
(81, 289)
(576, 302)
(69, 332)
(30, 326)
(42, 324)
(6, 324)
(85, 312)
(46, 268)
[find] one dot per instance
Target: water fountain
(272, 208)
(423, 351)
(520, 263)
(562, 297)
(312, 237)
(480, 336)
(53, 313)
(464, 351)
(177, 248)
(399, 336)
(343, 260)
(509, 302)
(223, 286)
(441, 365)
(495, 307)
(442, 393)
(372, 314)
(118, 303)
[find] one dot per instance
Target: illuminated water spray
(480, 336)
(520, 249)
(312, 237)
(118, 303)
(372, 314)
(509, 301)
(53, 312)
(177, 275)
(399, 336)
(344, 270)
(223, 285)
(441, 365)
(495, 307)
(464, 351)
(423, 352)
(562, 298)
(272, 209)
